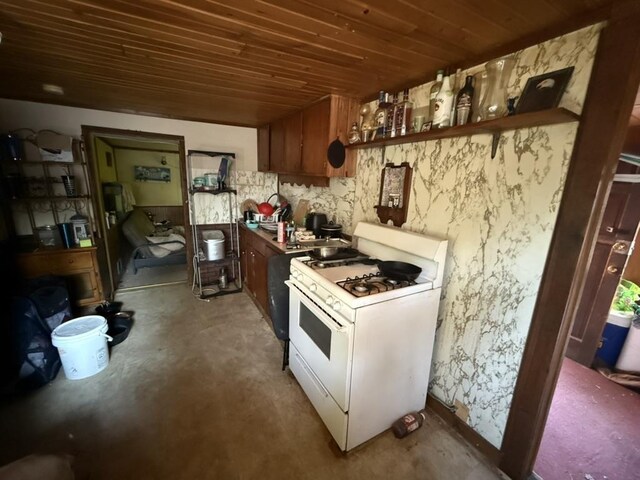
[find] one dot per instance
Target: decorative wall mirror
(394, 193)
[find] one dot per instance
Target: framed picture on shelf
(544, 91)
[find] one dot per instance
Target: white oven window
(317, 331)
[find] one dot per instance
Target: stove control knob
(329, 300)
(336, 306)
(313, 287)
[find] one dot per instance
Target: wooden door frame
(605, 117)
(90, 132)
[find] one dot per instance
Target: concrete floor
(197, 392)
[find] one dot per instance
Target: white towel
(128, 200)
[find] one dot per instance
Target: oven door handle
(329, 322)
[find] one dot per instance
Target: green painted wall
(150, 193)
(107, 173)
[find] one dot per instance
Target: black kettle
(314, 222)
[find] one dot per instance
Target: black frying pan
(399, 270)
(336, 153)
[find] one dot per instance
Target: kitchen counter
(268, 237)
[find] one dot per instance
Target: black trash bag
(36, 311)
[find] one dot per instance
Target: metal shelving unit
(38, 188)
(232, 256)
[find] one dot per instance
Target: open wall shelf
(494, 127)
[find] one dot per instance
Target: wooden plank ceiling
(246, 62)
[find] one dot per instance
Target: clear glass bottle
(456, 85)
(380, 116)
(435, 88)
(402, 115)
(391, 116)
(222, 279)
(480, 88)
(354, 133)
(494, 103)
(442, 110)
(463, 102)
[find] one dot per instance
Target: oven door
(325, 343)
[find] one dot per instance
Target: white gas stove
(361, 342)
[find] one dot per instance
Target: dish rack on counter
(232, 250)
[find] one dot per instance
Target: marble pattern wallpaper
(498, 215)
(257, 186)
(336, 200)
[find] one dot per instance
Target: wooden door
(292, 143)
(276, 146)
(263, 148)
(615, 236)
(315, 137)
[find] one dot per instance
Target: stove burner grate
(372, 283)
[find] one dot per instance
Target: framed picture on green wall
(156, 174)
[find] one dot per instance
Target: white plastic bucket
(629, 359)
(82, 345)
(214, 241)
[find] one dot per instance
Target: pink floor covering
(593, 429)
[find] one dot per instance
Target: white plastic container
(82, 345)
(629, 359)
(214, 243)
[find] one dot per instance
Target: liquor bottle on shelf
(442, 110)
(463, 101)
(380, 115)
(435, 88)
(408, 423)
(391, 115)
(402, 115)
(354, 133)
(456, 84)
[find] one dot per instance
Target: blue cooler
(613, 337)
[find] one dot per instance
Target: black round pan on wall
(336, 153)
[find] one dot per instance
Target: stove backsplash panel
(498, 215)
(336, 200)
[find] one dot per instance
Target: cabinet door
(243, 257)
(276, 146)
(315, 137)
(292, 142)
(260, 277)
(263, 148)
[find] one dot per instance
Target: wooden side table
(79, 266)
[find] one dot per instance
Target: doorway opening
(591, 431)
(139, 178)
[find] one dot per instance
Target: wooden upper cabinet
(263, 148)
(315, 133)
(292, 142)
(344, 111)
(276, 146)
(298, 143)
(323, 122)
